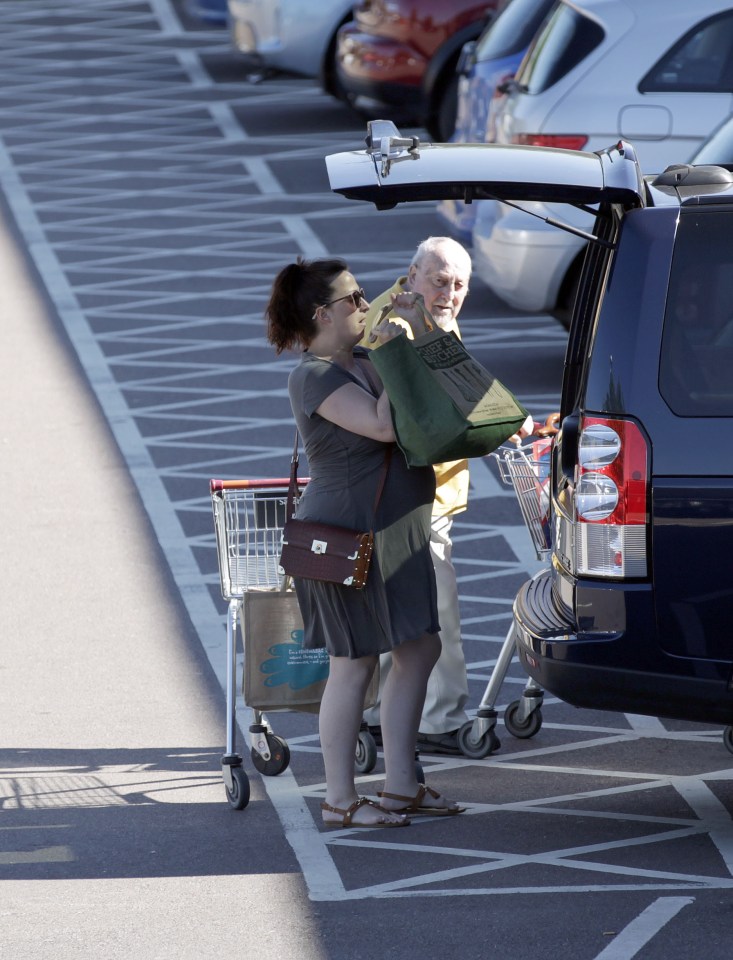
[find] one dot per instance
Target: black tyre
(330, 82)
(522, 730)
(728, 738)
(366, 753)
(238, 796)
(442, 122)
(419, 772)
(279, 757)
(476, 750)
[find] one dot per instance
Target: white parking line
(641, 930)
(707, 807)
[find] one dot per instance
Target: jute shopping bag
(279, 673)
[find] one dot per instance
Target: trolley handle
(217, 486)
(549, 428)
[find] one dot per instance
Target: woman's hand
(386, 330)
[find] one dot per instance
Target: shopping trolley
(527, 469)
(249, 516)
(248, 521)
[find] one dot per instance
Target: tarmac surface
(116, 842)
(150, 195)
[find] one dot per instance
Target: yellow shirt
(451, 478)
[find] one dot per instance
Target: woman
(343, 416)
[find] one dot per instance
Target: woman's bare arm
(354, 409)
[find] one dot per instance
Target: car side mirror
(507, 86)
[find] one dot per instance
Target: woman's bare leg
(402, 703)
(339, 721)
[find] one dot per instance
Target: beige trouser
(447, 692)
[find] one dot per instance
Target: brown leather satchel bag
(320, 551)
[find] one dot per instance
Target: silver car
(297, 36)
(657, 73)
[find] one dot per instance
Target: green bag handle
(425, 315)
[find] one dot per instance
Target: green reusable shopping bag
(445, 405)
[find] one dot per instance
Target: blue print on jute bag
(292, 664)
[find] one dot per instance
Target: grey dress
(398, 602)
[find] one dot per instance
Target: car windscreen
(696, 359)
(566, 39)
(513, 29)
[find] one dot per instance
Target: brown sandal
(415, 805)
(348, 814)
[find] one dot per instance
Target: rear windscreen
(565, 40)
(513, 29)
(696, 364)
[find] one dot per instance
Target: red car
(403, 54)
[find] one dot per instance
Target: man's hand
(526, 430)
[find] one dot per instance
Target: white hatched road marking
(641, 930)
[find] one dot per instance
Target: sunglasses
(356, 296)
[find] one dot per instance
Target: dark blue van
(634, 610)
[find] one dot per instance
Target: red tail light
(611, 492)
(564, 141)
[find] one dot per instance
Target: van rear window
(696, 363)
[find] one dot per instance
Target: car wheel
(330, 82)
(442, 122)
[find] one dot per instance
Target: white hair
(441, 246)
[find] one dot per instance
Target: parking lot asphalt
(150, 196)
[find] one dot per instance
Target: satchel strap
(293, 484)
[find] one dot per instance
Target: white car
(657, 73)
(297, 36)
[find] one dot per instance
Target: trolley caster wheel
(366, 752)
(238, 796)
(476, 749)
(728, 738)
(522, 730)
(279, 757)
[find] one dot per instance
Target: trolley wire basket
(248, 517)
(527, 469)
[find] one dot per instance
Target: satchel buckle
(319, 546)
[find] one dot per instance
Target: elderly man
(439, 272)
